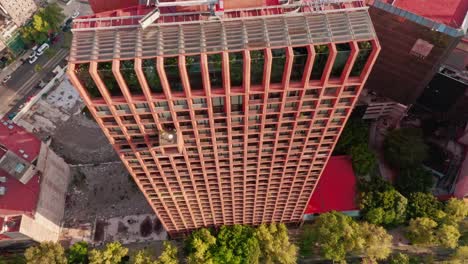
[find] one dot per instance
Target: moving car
(42, 48)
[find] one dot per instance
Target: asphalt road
(24, 80)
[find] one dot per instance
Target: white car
(75, 14)
(42, 48)
(32, 60)
(32, 55)
(6, 79)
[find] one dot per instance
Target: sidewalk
(15, 65)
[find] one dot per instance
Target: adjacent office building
(228, 118)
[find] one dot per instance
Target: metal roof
(193, 37)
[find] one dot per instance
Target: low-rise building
(33, 184)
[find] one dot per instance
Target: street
(16, 91)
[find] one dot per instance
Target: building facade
(416, 37)
(226, 120)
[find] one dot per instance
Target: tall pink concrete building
(228, 118)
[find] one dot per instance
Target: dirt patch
(80, 140)
(102, 192)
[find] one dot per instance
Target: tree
(199, 245)
(414, 179)
(78, 253)
(363, 158)
(169, 255)
(46, 252)
(424, 205)
(37, 68)
(378, 243)
(355, 132)
(335, 235)
(456, 210)
(46, 21)
(421, 231)
(387, 208)
(447, 236)
(236, 244)
(112, 254)
(460, 255)
(405, 147)
(143, 257)
(275, 245)
(399, 258)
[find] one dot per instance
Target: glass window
(365, 49)
(343, 52)
(105, 72)
(321, 57)
(151, 75)
(236, 68)
(299, 63)
(192, 64)
(256, 66)
(277, 65)
(82, 73)
(236, 103)
(171, 67)
(127, 69)
(215, 70)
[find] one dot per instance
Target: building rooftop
(117, 34)
(17, 140)
(18, 149)
(336, 189)
(449, 12)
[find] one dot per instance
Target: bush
(363, 159)
(414, 179)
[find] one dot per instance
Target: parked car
(32, 60)
(6, 79)
(12, 115)
(42, 48)
(75, 14)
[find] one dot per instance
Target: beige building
(18, 11)
(33, 185)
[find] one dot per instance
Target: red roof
(19, 198)
(106, 5)
(336, 189)
(449, 12)
(16, 138)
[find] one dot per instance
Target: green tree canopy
(421, 231)
(405, 148)
(236, 244)
(112, 254)
(414, 179)
(378, 243)
(363, 158)
(447, 236)
(45, 21)
(143, 257)
(199, 245)
(456, 210)
(169, 255)
(355, 132)
(424, 205)
(387, 208)
(46, 252)
(275, 245)
(460, 255)
(78, 253)
(399, 258)
(335, 235)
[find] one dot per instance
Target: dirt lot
(79, 140)
(102, 192)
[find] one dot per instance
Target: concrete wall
(54, 184)
(39, 228)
